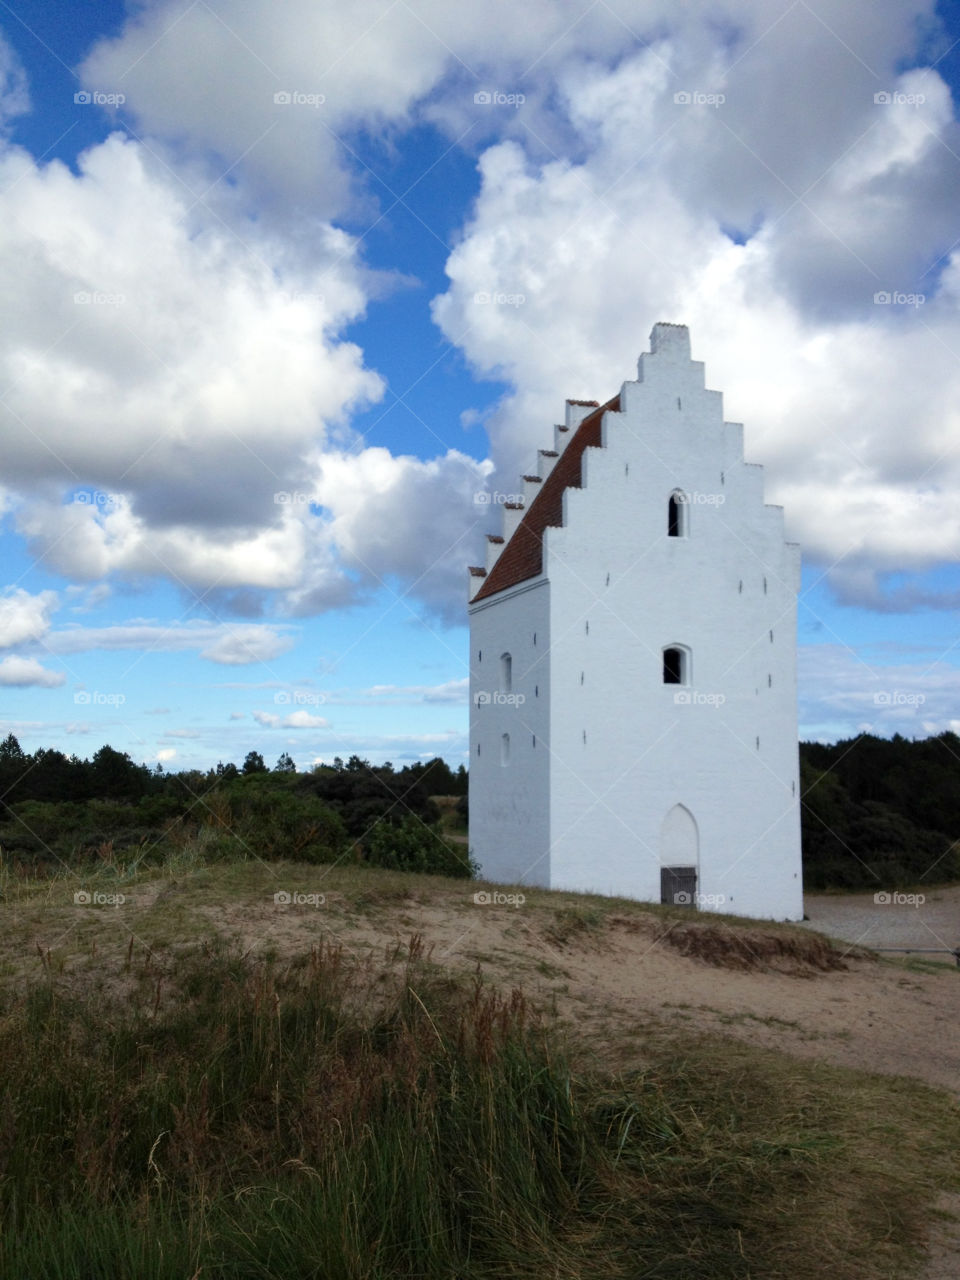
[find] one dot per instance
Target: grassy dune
(178, 1102)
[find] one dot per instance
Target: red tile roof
(522, 557)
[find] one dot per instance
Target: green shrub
(271, 820)
(410, 845)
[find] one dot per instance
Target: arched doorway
(679, 858)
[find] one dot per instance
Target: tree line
(876, 812)
(55, 808)
(881, 812)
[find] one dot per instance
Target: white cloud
(239, 645)
(224, 643)
(184, 417)
(88, 599)
(372, 61)
(14, 94)
(210, 377)
(25, 617)
(295, 720)
(176, 393)
(304, 720)
(851, 405)
(27, 671)
(455, 691)
(406, 519)
(844, 691)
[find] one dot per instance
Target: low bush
(410, 845)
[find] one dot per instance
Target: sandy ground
(870, 1013)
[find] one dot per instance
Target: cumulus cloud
(726, 165)
(809, 248)
(373, 63)
(159, 407)
(25, 617)
(15, 670)
(183, 414)
(404, 519)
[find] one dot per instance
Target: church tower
(633, 692)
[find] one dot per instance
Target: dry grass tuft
(766, 950)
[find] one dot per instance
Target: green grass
(177, 1105)
(232, 1118)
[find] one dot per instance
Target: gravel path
(856, 917)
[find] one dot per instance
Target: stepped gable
(522, 557)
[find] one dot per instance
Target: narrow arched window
(676, 665)
(677, 515)
(506, 673)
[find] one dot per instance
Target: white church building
(633, 693)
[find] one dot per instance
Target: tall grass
(217, 1117)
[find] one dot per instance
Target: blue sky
(250, 384)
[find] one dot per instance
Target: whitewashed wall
(624, 748)
(510, 804)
